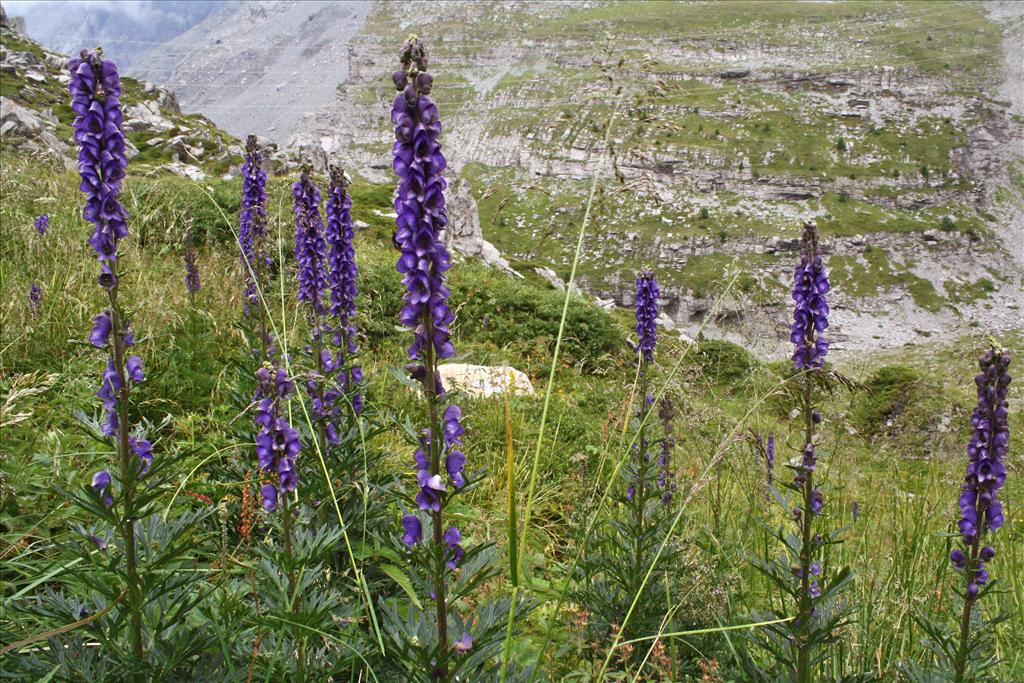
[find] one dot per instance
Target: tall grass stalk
(531, 488)
(697, 486)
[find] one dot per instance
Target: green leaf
(402, 580)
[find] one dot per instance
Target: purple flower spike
(810, 313)
(42, 223)
(95, 89)
(341, 258)
(647, 294)
(252, 226)
(277, 443)
(421, 216)
(310, 247)
(980, 508)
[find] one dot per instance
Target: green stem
(127, 525)
(292, 582)
(440, 672)
(639, 497)
(803, 665)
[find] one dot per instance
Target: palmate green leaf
(403, 581)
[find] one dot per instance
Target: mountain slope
(126, 29)
(259, 66)
(881, 121)
(36, 116)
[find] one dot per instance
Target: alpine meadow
(520, 341)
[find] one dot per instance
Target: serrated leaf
(400, 577)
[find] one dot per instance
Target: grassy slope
(901, 460)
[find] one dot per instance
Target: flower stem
(440, 672)
(300, 664)
(803, 665)
(127, 525)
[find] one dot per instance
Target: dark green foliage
(525, 319)
(724, 362)
(901, 404)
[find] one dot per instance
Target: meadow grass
(903, 476)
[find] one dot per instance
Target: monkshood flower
(310, 247)
(420, 220)
(252, 226)
(101, 484)
(769, 457)
(421, 215)
(453, 538)
(35, 298)
(192, 283)
(342, 278)
(277, 443)
(666, 413)
(647, 294)
(143, 450)
(464, 644)
(95, 89)
(980, 508)
(413, 530)
(810, 314)
(42, 223)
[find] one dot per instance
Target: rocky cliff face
(890, 124)
(36, 117)
(259, 66)
(884, 123)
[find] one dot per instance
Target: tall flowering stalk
(647, 294)
(420, 208)
(95, 89)
(800, 642)
(312, 275)
(252, 225)
(342, 279)
(810, 319)
(981, 512)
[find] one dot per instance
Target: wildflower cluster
(310, 247)
(277, 443)
(810, 314)
(252, 226)
(342, 276)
